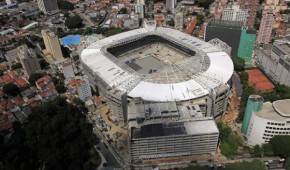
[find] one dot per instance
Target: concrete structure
(235, 13)
(276, 62)
(136, 21)
(265, 29)
(52, 44)
(28, 60)
(141, 2)
(84, 89)
(140, 10)
(173, 139)
(178, 21)
(254, 104)
(170, 5)
(165, 85)
(247, 42)
(268, 120)
(227, 31)
(67, 69)
(47, 5)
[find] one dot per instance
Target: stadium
(165, 85)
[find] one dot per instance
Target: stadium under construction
(167, 87)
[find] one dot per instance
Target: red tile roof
(21, 82)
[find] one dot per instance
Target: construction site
(163, 89)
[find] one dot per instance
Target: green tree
(257, 151)
(74, 22)
(60, 88)
(170, 22)
(123, 10)
(11, 89)
(65, 5)
(255, 164)
(287, 164)
(33, 77)
(239, 63)
(280, 145)
(57, 137)
(225, 131)
(267, 149)
(16, 66)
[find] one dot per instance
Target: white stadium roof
(219, 71)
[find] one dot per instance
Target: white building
(178, 21)
(140, 9)
(68, 71)
(273, 119)
(47, 5)
(170, 5)
(235, 13)
(84, 89)
(276, 62)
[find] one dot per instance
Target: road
(110, 159)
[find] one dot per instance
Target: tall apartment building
(251, 6)
(247, 42)
(140, 9)
(84, 89)
(170, 5)
(265, 30)
(276, 62)
(28, 60)
(263, 121)
(47, 5)
(178, 20)
(52, 44)
(233, 12)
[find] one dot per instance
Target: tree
(225, 131)
(11, 89)
(74, 22)
(60, 88)
(257, 151)
(57, 135)
(280, 145)
(33, 77)
(123, 10)
(267, 149)
(170, 22)
(255, 164)
(65, 5)
(16, 66)
(239, 63)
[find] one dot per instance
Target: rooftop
(278, 110)
(175, 129)
(215, 69)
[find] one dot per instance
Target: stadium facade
(165, 85)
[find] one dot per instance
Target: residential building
(84, 89)
(275, 5)
(67, 69)
(136, 21)
(252, 8)
(265, 30)
(47, 5)
(247, 42)
(276, 61)
(44, 83)
(170, 5)
(139, 9)
(52, 44)
(28, 60)
(263, 121)
(233, 12)
(178, 20)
